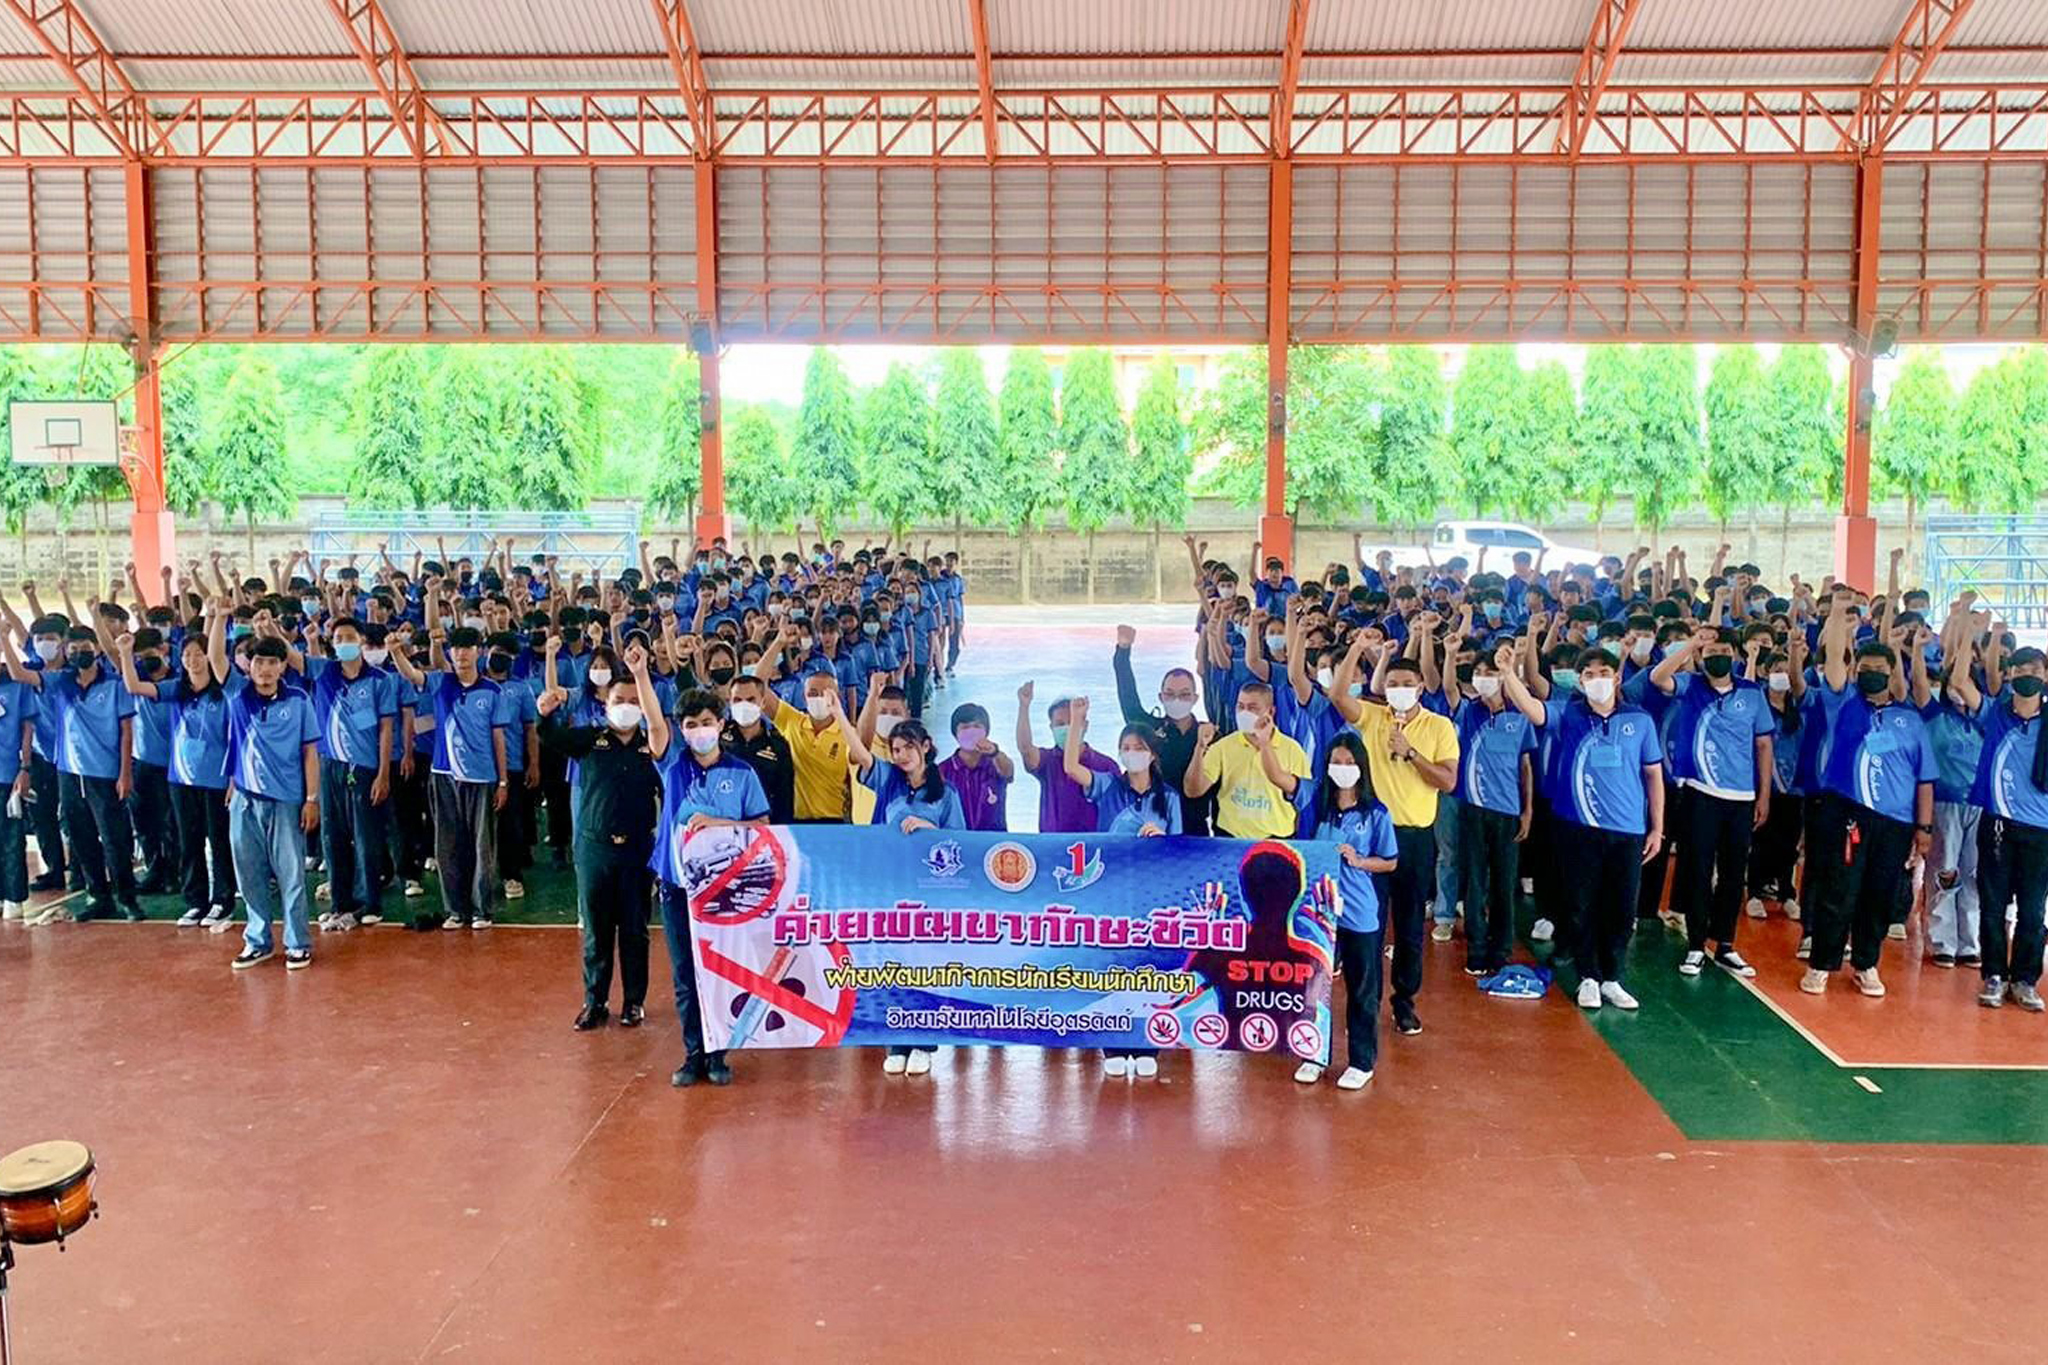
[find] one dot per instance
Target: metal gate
(597, 543)
(2003, 559)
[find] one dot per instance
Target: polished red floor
(406, 1155)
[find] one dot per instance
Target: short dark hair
(696, 701)
(270, 647)
(465, 637)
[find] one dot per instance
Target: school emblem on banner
(944, 860)
(1083, 868)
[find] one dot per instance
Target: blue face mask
(1493, 611)
(1565, 679)
(348, 651)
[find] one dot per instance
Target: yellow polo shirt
(1248, 805)
(821, 764)
(1409, 799)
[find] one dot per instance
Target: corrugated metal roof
(1763, 23)
(581, 26)
(206, 27)
(1062, 26)
(1437, 25)
(826, 26)
(2000, 22)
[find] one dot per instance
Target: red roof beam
(61, 29)
(1922, 38)
(686, 60)
(1596, 68)
(390, 71)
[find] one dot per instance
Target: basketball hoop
(61, 436)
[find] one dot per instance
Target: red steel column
(712, 521)
(1276, 528)
(1855, 530)
(152, 529)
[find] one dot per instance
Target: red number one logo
(1077, 859)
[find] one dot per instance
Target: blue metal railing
(2004, 559)
(598, 543)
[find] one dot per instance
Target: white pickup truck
(1502, 541)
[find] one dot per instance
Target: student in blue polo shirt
(198, 775)
(1348, 814)
(469, 785)
(519, 714)
(701, 787)
(17, 749)
(2011, 789)
(1496, 778)
(1877, 809)
(149, 805)
(95, 730)
(1720, 742)
(274, 772)
(357, 708)
(1605, 781)
(1955, 727)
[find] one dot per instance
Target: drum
(45, 1192)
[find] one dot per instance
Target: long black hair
(1155, 797)
(933, 788)
(1326, 790)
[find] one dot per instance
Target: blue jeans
(1448, 868)
(270, 847)
(675, 926)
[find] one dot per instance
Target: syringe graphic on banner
(756, 1007)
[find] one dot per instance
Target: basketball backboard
(80, 432)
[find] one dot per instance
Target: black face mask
(500, 663)
(1872, 684)
(720, 676)
(80, 659)
(1718, 665)
(2026, 685)
(148, 666)
(538, 639)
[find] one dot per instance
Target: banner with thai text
(823, 936)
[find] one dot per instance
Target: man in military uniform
(617, 799)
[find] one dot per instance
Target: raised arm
(124, 652)
(1077, 730)
(1026, 748)
(1514, 689)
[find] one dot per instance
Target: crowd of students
(1592, 737)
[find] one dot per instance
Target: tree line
(1371, 431)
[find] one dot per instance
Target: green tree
(678, 455)
(1229, 421)
(761, 486)
(1159, 484)
(247, 465)
(1610, 427)
(2000, 424)
(1415, 474)
(1660, 474)
(1545, 433)
(1096, 470)
(827, 445)
(22, 487)
(1026, 483)
(964, 435)
(1332, 435)
(1913, 443)
(1486, 427)
(187, 477)
(1804, 463)
(390, 402)
(1738, 434)
(896, 474)
(549, 433)
(467, 415)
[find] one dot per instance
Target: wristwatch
(1925, 829)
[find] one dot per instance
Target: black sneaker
(689, 1073)
(49, 881)
(1969, 960)
(717, 1072)
(559, 860)
(593, 1016)
(297, 959)
(631, 1016)
(249, 957)
(1943, 959)
(132, 912)
(94, 909)
(1406, 1021)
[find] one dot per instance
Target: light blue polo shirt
(1369, 832)
(1121, 810)
(18, 707)
(1595, 774)
(350, 710)
(1490, 748)
(1878, 757)
(517, 713)
(88, 721)
(267, 738)
(199, 734)
(464, 720)
(2005, 773)
(1713, 735)
(727, 790)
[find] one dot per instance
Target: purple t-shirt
(984, 794)
(1063, 804)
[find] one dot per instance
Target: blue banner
(831, 935)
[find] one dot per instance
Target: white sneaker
(1541, 931)
(1115, 1067)
(429, 864)
(917, 1063)
(1897, 933)
(1308, 1073)
(1756, 909)
(1442, 932)
(1815, 982)
(191, 917)
(892, 1065)
(1144, 1068)
(1867, 982)
(1528, 886)
(413, 891)
(312, 861)
(324, 891)
(217, 913)
(10, 910)
(1791, 909)
(452, 922)
(515, 891)
(1589, 994)
(1613, 994)
(1353, 1079)
(1693, 964)
(368, 918)
(337, 924)
(1805, 948)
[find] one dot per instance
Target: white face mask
(1640, 650)
(376, 655)
(48, 650)
(624, 715)
(1247, 720)
(1781, 682)
(1276, 644)
(1486, 685)
(473, 622)
(1134, 762)
(1178, 708)
(885, 724)
(1403, 698)
(1325, 679)
(1344, 775)
(745, 713)
(818, 707)
(1599, 691)
(701, 739)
